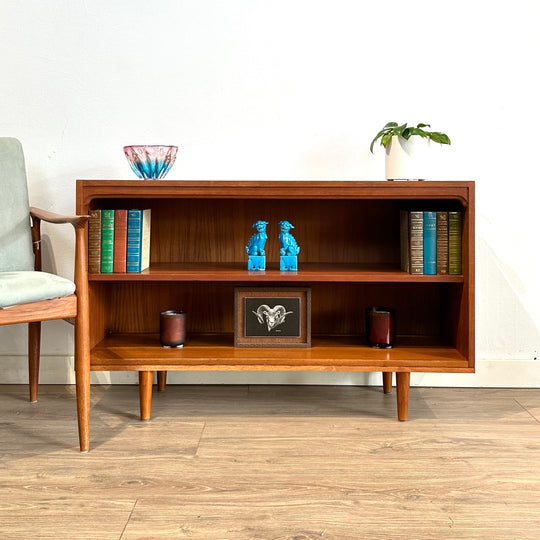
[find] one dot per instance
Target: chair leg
(82, 339)
(161, 380)
(82, 375)
(34, 346)
(82, 381)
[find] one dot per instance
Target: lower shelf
(142, 352)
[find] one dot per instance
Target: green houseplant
(392, 129)
(408, 152)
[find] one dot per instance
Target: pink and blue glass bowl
(151, 161)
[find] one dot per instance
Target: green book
(107, 241)
(455, 226)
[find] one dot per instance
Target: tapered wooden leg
(145, 393)
(82, 380)
(387, 382)
(82, 340)
(34, 345)
(161, 380)
(403, 382)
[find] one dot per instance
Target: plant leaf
(407, 132)
(423, 125)
(420, 132)
(398, 130)
(390, 125)
(380, 134)
(438, 137)
(387, 137)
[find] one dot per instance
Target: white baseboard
(489, 373)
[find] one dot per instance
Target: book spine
(416, 242)
(145, 239)
(107, 241)
(133, 244)
(94, 242)
(430, 243)
(404, 240)
(120, 241)
(442, 243)
(455, 227)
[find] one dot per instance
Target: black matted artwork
(272, 317)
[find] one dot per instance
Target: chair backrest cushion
(15, 234)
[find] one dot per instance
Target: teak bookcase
(349, 236)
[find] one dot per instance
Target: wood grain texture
(216, 352)
(52, 217)
(309, 272)
(46, 310)
(272, 462)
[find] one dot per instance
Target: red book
(120, 240)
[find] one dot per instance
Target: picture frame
(272, 317)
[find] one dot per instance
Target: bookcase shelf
(310, 272)
(216, 352)
(349, 234)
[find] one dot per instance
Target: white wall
(286, 89)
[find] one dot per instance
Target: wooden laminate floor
(271, 463)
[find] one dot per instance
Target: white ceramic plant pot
(408, 160)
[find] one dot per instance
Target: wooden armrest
(51, 217)
(38, 215)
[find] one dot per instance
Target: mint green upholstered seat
(29, 286)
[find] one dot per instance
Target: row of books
(431, 242)
(118, 241)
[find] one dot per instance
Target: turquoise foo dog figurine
(289, 247)
(258, 240)
(288, 260)
(255, 247)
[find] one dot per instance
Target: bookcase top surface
(397, 184)
(278, 189)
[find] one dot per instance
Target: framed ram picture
(272, 317)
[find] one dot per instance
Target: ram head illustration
(271, 316)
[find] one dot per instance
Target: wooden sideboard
(349, 234)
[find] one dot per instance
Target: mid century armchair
(28, 295)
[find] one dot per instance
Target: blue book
(134, 234)
(138, 240)
(430, 243)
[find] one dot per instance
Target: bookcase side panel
(465, 326)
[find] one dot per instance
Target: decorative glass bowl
(151, 161)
